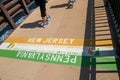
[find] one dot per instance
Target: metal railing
(10, 8)
(114, 7)
(2, 20)
(11, 13)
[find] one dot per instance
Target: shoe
(48, 18)
(45, 24)
(70, 6)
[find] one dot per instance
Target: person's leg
(43, 14)
(43, 11)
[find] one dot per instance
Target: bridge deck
(68, 37)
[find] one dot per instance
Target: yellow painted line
(11, 46)
(107, 43)
(49, 41)
(57, 41)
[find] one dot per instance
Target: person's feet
(48, 18)
(45, 24)
(70, 4)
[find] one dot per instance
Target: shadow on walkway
(97, 30)
(32, 25)
(59, 6)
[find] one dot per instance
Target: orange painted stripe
(49, 41)
(58, 41)
(12, 46)
(107, 43)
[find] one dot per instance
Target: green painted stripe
(9, 45)
(107, 63)
(42, 57)
(74, 60)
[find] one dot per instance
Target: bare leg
(44, 18)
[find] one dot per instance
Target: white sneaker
(48, 18)
(45, 24)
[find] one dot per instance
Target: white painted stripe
(59, 49)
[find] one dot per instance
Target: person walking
(43, 11)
